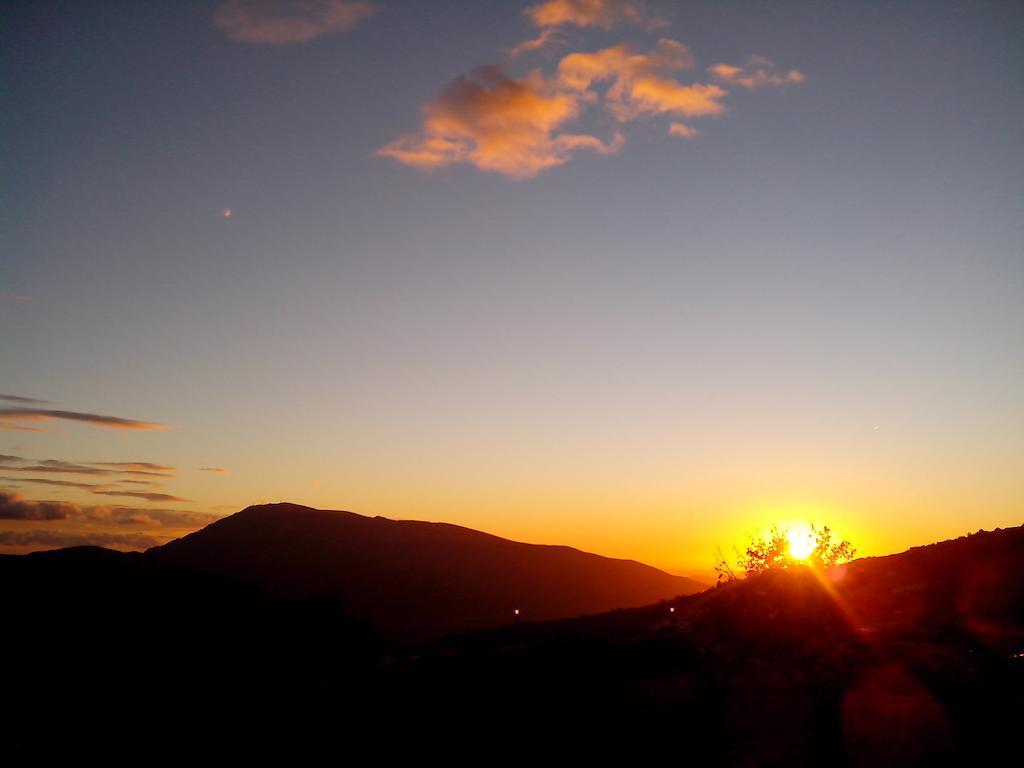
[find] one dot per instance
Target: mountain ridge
(414, 579)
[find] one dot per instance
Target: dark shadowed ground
(911, 659)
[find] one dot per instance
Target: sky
(641, 278)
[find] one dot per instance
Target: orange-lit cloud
(280, 22)
(18, 428)
(109, 422)
(142, 495)
(519, 126)
(534, 43)
(498, 123)
(25, 540)
(638, 82)
(134, 466)
(218, 470)
(682, 130)
(593, 13)
(757, 73)
(62, 467)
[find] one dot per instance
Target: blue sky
(811, 308)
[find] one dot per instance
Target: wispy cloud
(281, 22)
(14, 507)
(8, 459)
(26, 400)
(594, 13)
(758, 72)
(137, 466)
(219, 470)
(52, 539)
(18, 428)
(142, 495)
(62, 467)
(683, 131)
(639, 85)
(109, 422)
(546, 36)
(168, 518)
(48, 481)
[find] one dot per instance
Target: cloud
(130, 466)
(518, 126)
(108, 469)
(498, 123)
(593, 13)
(26, 400)
(54, 539)
(18, 428)
(757, 73)
(14, 507)
(62, 467)
(169, 518)
(280, 22)
(219, 470)
(109, 422)
(682, 130)
(142, 495)
(534, 43)
(46, 481)
(638, 83)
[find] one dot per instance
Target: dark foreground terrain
(912, 659)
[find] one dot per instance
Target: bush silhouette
(773, 553)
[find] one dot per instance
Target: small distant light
(672, 609)
(516, 611)
(228, 213)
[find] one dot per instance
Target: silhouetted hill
(414, 580)
(910, 659)
(913, 659)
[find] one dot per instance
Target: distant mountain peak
(414, 579)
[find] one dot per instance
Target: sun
(801, 542)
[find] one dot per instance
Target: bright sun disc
(801, 543)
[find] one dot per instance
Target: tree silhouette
(772, 553)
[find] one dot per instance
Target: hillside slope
(414, 580)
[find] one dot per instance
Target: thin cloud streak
(55, 539)
(57, 483)
(26, 400)
(278, 22)
(108, 422)
(127, 466)
(143, 495)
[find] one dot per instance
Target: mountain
(912, 659)
(231, 640)
(414, 580)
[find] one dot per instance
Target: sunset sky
(638, 278)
